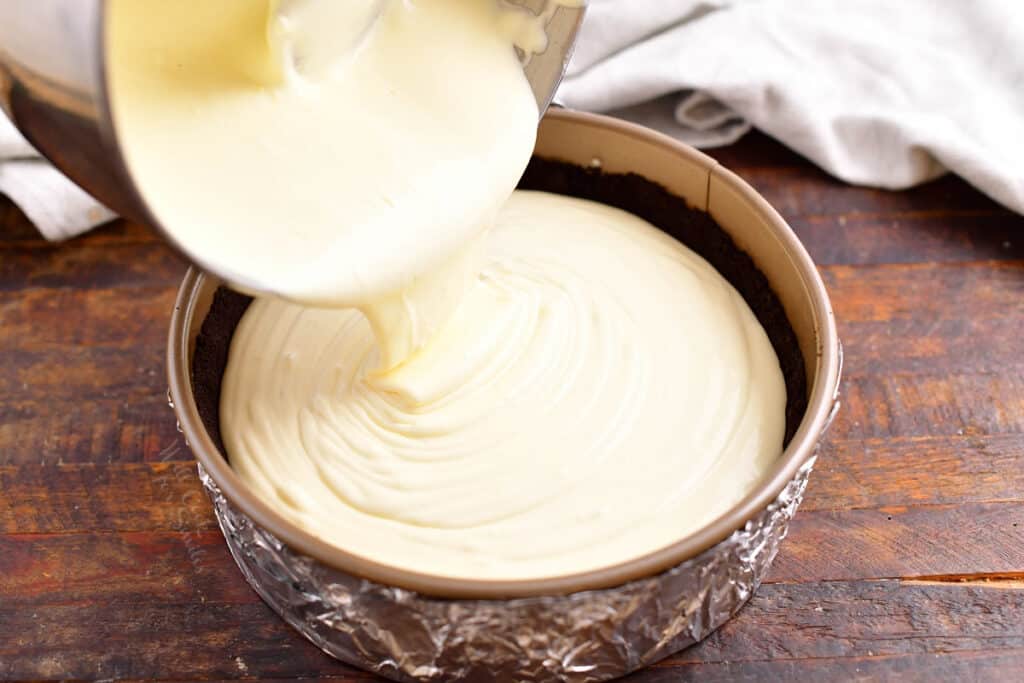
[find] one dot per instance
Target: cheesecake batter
(451, 381)
(600, 393)
(310, 147)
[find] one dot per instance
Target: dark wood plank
(155, 642)
(90, 265)
(874, 474)
(839, 620)
(911, 237)
(941, 405)
(891, 472)
(128, 568)
(105, 409)
(150, 566)
(912, 534)
(942, 221)
(75, 375)
(129, 428)
(895, 318)
(889, 293)
(914, 318)
(125, 318)
(903, 541)
(139, 425)
(867, 619)
(914, 363)
(977, 666)
(91, 497)
(124, 417)
(799, 193)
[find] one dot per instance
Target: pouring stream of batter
(492, 384)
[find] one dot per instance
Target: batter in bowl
(328, 179)
(504, 385)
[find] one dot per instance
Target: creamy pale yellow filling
(567, 391)
(601, 392)
(332, 184)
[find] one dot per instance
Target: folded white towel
(878, 92)
(58, 207)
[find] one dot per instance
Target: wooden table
(907, 557)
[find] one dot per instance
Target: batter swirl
(600, 392)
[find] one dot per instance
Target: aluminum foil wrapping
(580, 637)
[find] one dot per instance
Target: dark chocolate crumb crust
(210, 358)
(697, 230)
(629, 192)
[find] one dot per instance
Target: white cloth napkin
(886, 93)
(57, 207)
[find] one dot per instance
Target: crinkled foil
(581, 637)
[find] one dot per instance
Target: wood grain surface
(905, 562)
